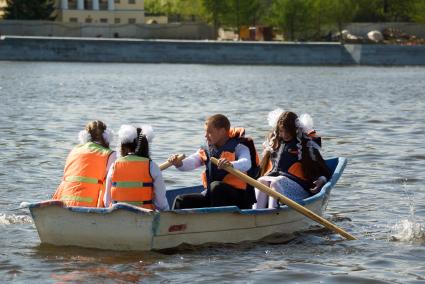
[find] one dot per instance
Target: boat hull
(125, 227)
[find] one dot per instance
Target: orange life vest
(84, 176)
(132, 182)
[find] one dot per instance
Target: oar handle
(283, 199)
(167, 164)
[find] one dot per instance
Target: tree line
(299, 19)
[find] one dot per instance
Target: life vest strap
(136, 203)
(131, 184)
(76, 198)
(82, 179)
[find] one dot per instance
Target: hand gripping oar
(167, 164)
(283, 199)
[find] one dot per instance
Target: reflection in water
(80, 264)
(103, 273)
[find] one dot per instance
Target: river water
(374, 116)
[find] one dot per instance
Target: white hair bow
(273, 117)
(128, 133)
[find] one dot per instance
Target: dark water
(373, 116)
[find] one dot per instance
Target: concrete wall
(206, 52)
(392, 55)
(154, 31)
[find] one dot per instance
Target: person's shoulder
(113, 155)
(154, 169)
(242, 146)
(153, 164)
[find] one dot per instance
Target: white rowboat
(126, 227)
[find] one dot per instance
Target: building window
(117, 1)
(72, 4)
(131, 1)
(103, 4)
(117, 20)
(132, 21)
(89, 20)
(103, 20)
(88, 5)
(73, 20)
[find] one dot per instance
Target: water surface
(373, 116)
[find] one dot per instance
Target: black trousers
(220, 194)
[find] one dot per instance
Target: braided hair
(142, 144)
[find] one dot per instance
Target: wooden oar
(283, 199)
(167, 164)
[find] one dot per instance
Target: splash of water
(14, 219)
(409, 230)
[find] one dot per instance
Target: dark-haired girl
(297, 168)
(134, 178)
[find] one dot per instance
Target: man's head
(217, 129)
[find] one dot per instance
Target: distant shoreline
(19, 48)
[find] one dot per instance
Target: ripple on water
(10, 270)
(348, 279)
(364, 120)
(417, 157)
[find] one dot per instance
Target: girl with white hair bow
(134, 178)
(86, 167)
(297, 170)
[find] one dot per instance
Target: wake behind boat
(126, 227)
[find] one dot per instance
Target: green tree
(417, 14)
(290, 16)
(398, 10)
(29, 10)
(155, 7)
(369, 11)
(319, 17)
(188, 8)
(213, 12)
(341, 12)
(241, 13)
(183, 9)
(386, 10)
